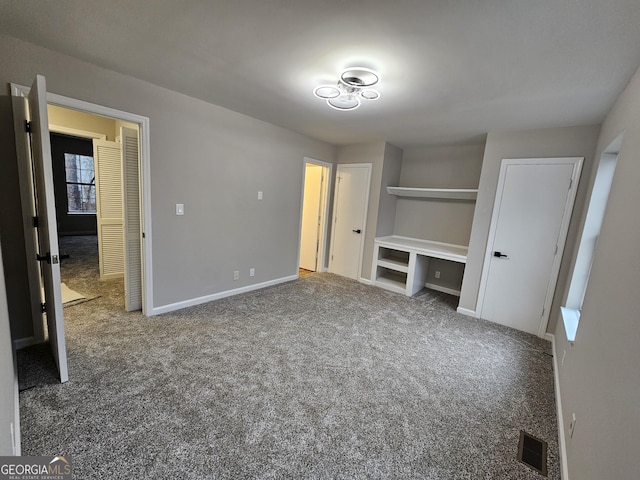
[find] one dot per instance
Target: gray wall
(8, 391)
(600, 379)
(440, 220)
(391, 169)
(209, 158)
(557, 142)
(367, 153)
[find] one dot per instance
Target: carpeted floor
(322, 378)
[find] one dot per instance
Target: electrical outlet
(572, 425)
(259, 195)
(252, 272)
(437, 274)
(179, 209)
(236, 275)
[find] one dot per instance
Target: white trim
(369, 167)
(326, 195)
(145, 174)
(467, 312)
(217, 296)
(562, 236)
(562, 445)
(20, 343)
(365, 281)
(76, 133)
(440, 288)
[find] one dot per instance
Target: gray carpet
(322, 377)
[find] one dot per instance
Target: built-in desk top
(446, 251)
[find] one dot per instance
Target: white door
(132, 228)
(531, 215)
(48, 251)
(310, 234)
(109, 208)
(349, 219)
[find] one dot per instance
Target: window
(80, 178)
(589, 239)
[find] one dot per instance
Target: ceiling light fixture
(353, 85)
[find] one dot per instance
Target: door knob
(499, 254)
(357, 231)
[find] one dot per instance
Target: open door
(48, 253)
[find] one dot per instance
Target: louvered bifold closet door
(132, 226)
(109, 206)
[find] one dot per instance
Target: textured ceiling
(452, 70)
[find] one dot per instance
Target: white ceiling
(452, 70)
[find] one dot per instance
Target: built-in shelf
(392, 281)
(453, 193)
(400, 263)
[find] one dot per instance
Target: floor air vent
(533, 452)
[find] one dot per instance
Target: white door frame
(145, 180)
(76, 133)
(562, 236)
(369, 167)
(324, 206)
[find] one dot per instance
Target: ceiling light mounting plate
(359, 77)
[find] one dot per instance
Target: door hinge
(570, 183)
(35, 222)
(50, 259)
(27, 126)
(143, 235)
(556, 252)
(543, 309)
(44, 258)
(43, 307)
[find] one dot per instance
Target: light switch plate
(179, 209)
(260, 195)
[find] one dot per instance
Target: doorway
(531, 214)
(93, 171)
(313, 224)
(142, 193)
(350, 206)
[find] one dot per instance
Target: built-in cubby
(391, 279)
(393, 259)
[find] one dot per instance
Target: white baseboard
(562, 445)
(366, 281)
(469, 313)
(216, 296)
(440, 288)
(24, 342)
